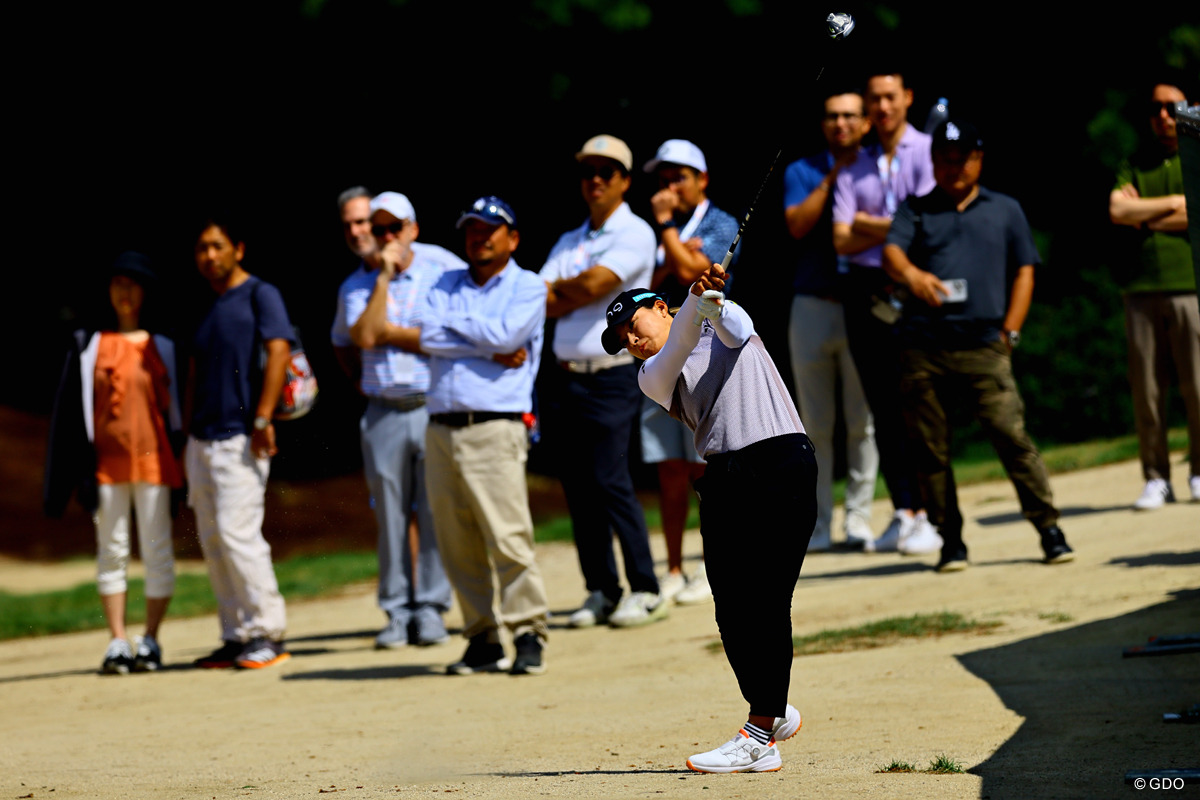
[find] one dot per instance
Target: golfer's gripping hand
(711, 304)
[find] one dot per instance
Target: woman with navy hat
(758, 505)
(110, 442)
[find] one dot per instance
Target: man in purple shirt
(867, 194)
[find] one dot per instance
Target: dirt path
(1043, 707)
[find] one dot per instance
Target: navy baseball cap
(619, 311)
(134, 265)
(957, 133)
(489, 209)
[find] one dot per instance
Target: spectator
(482, 328)
(867, 194)
(1162, 323)
(593, 398)
(817, 328)
(232, 440)
(115, 415)
(693, 234)
(379, 311)
(972, 291)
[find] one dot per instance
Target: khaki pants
(227, 488)
(1164, 332)
(480, 502)
(981, 379)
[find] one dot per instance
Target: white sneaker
(671, 585)
(697, 590)
(638, 608)
(858, 530)
(921, 539)
(889, 541)
(1156, 492)
(820, 542)
(739, 754)
(1194, 485)
(786, 726)
(595, 611)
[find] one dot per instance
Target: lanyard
(686, 231)
(887, 176)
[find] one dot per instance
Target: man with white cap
(482, 329)
(379, 311)
(592, 397)
(693, 235)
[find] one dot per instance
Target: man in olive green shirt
(1162, 320)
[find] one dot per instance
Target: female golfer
(110, 440)
(757, 496)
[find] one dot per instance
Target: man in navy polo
(482, 329)
(379, 312)
(968, 257)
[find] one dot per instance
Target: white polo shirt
(624, 244)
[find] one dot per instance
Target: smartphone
(958, 291)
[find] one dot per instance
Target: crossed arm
(567, 294)
(1166, 213)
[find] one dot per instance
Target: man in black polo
(968, 257)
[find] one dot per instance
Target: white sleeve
(734, 327)
(659, 373)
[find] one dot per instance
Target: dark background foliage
(133, 122)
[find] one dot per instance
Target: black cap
(619, 311)
(957, 133)
(134, 265)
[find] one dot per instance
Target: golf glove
(711, 304)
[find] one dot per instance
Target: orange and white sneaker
(786, 726)
(260, 653)
(739, 754)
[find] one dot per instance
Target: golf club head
(839, 25)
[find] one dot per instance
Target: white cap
(395, 204)
(607, 147)
(678, 151)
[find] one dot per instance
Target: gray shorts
(665, 438)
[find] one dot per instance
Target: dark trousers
(589, 425)
(758, 506)
(876, 350)
(981, 380)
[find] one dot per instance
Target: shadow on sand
(1089, 714)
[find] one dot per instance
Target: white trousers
(152, 503)
(227, 488)
(820, 360)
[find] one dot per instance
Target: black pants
(876, 351)
(589, 424)
(758, 506)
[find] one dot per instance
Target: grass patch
(78, 608)
(978, 462)
(888, 631)
(940, 765)
(943, 765)
(1055, 616)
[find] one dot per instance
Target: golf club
(839, 26)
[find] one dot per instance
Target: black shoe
(529, 655)
(481, 656)
(223, 657)
(148, 657)
(1055, 546)
(954, 559)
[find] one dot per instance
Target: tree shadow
(1160, 560)
(1071, 511)
(386, 672)
(883, 569)
(1090, 715)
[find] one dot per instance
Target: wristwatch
(1014, 338)
(261, 423)
(662, 226)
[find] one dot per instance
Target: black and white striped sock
(757, 734)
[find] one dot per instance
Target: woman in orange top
(126, 394)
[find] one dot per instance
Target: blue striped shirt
(389, 371)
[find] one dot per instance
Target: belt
(407, 403)
(590, 365)
(461, 419)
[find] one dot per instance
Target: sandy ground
(1043, 707)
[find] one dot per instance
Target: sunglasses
(604, 171)
(1156, 108)
(394, 228)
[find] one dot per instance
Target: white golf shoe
(1154, 495)
(921, 539)
(739, 754)
(786, 726)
